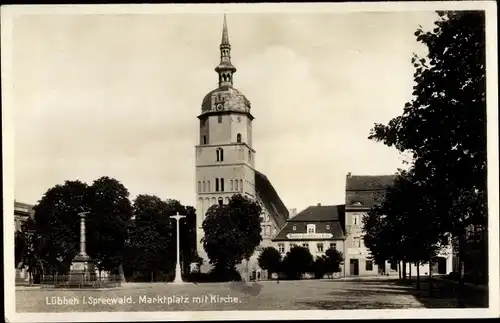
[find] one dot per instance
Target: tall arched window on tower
(219, 119)
(220, 201)
(241, 185)
(204, 140)
(238, 137)
(208, 186)
(204, 186)
(220, 154)
(222, 184)
(236, 185)
(249, 156)
(216, 184)
(232, 187)
(199, 186)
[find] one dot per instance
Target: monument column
(178, 272)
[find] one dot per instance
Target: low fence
(80, 281)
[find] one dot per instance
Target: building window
(281, 247)
(208, 186)
(199, 186)
(311, 228)
(355, 219)
(305, 245)
(216, 184)
(220, 154)
(222, 184)
(356, 242)
(220, 201)
(241, 185)
(219, 119)
(236, 185)
(320, 247)
(368, 265)
(294, 228)
(249, 155)
(328, 227)
(292, 245)
(333, 246)
(239, 118)
(238, 137)
(204, 140)
(232, 187)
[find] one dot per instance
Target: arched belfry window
(220, 154)
(222, 184)
(216, 184)
(238, 137)
(204, 140)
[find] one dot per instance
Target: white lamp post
(178, 273)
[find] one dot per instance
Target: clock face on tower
(219, 106)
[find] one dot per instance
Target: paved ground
(287, 295)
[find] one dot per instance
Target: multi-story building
(317, 228)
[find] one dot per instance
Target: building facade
(362, 193)
(22, 212)
(317, 228)
(225, 158)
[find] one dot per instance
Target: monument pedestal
(82, 272)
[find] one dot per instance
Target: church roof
(232, 98)
(270, 199)
(366, 191)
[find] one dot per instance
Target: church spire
(225, 68)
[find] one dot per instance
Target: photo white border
(7, 14)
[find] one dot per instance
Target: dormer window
(311, 228)
(294, 228)
(328, 227)
(220, 154)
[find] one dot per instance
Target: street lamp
(178, 274)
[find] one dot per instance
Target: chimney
(319, 204)
(349, 174)
(292, 213)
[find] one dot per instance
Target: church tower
(224, 154)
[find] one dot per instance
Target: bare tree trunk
(461, 270)
(409, 274)
(431, 286)
(404, 270)
(418, 275)
(399, 269)
(121, 273)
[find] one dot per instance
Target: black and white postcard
(250, 161)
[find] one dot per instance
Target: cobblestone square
(285, 295)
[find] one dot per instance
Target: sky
(118, 95)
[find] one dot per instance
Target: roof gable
(323, 228)
(320, 213)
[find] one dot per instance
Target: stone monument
(82, 271)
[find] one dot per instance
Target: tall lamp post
(178, 273)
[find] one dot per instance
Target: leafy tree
(57, 223)
(110, 212)
(319, 267)
(151, 236)
(297, 261)
(27, 247)
(270, 260)
(232, 232)
(333, 259)
(444, 125)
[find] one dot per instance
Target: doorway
(354, 267)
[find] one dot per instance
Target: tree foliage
(444, 128)
(297, 261)
(232, 231)
(270, 260)
(333, 260)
